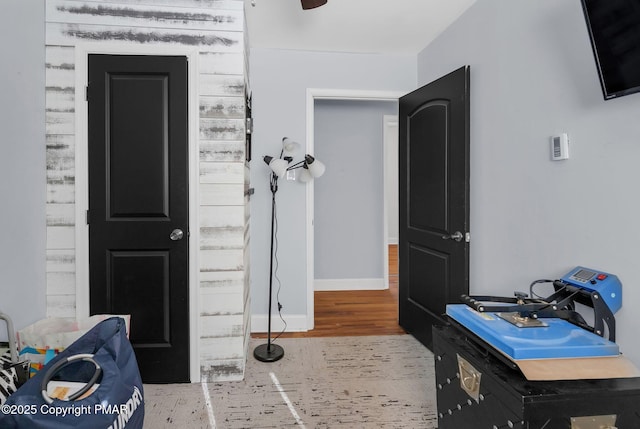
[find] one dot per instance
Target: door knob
(176, 234)
(456, 236)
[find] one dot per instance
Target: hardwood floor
(356, 313)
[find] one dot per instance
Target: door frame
(314, 94)
(82, 52)
(390, 125)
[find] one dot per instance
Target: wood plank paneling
(61, 306)
(197, 4)
(222, 172)
(221, 63)
(216, 370)
(222, 151)
(141, 15)
(221, 194)
(221, 348)
(61, 283)
(60, 191)
(222, 129)
(221, 260)
(60, 167)
(222, 326)
(221, 304)
(221, 217)
(221, 238)
(222, 107)
(60, 67)
(217, 29)
(60, 152)
(60, 99)
(221, 281)
(64, 34)
(61, 214)
(60, 122)
(61, 237)
(60, 58)
(217, 85)
(61, 260)
(60, 163)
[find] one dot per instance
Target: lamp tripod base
(268, 352)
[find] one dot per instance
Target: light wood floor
(356, 313)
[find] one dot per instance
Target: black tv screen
(614, 28)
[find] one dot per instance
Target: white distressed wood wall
(217, 28)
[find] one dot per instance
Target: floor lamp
(309, 169)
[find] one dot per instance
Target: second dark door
(138, 205)
(434, 201)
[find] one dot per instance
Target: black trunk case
(508, 400)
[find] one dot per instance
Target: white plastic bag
(41, 341)
(59, 333)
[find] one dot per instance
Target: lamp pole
(270, 352)
(279, 166)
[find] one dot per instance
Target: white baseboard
(298, 322)
(349, 284)
(295, 323)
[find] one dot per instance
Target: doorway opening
(314, 95)
(355, 312)
(350, 214)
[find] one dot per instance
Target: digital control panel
(586, 276)
(606, 284)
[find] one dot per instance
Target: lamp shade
(289, 145)
(316, 168)
(277, 165)
(304, 176)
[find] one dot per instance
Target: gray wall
(533, 75)
(349, 203)
(279, 81)
(22, 162)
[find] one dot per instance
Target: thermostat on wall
(559, 147)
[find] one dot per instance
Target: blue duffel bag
(103, 361)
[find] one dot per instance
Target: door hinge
(86, 93)
(87, 217)
(249, 125)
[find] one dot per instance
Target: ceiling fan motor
(310, 4)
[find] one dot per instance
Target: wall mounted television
(614, 29)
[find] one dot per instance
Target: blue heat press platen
(560, 339)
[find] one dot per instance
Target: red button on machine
(601, 276)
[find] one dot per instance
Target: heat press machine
(537, 327)
(537, 360)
